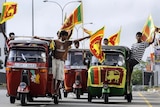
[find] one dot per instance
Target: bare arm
(3, 32)
(80, 39)
(70, 33)
(153, 36)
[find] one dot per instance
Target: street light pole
(32, 17)
(62, 8)
(77, 29)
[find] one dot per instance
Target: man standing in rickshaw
(60, 51)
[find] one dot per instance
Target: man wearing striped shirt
(138, 49)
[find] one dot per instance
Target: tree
(137, 77)
(137, 73)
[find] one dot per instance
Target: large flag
(114, 39)
(87, 31)
(73, 19)
(95, 45)
(148, 29)
(8, 11)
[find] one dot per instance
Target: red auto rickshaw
(27, 69)
(75, 72)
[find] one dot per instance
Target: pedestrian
(60, 51)
(7, 39)
(105, 41)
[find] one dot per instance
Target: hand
(35, 37)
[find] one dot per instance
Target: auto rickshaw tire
(78, 93)
(56, 99)
(23, 99)
(106, 98)
(89, 97)
(29, 98)
(12, 99)
(129, 97)
(99, 96)
(65, 94)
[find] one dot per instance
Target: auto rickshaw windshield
(75, 59)
(111, 59)
(22, 55)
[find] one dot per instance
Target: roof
(33, 41)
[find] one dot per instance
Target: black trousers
(132, 63)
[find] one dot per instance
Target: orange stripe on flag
(96, 76)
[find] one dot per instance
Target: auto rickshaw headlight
(120, 63)
(23, 85)
(105, 86)
(77, 82)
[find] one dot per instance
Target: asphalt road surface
(140, 99)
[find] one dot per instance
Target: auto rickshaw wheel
(129, 97)
(56, 99)
(23, 99)
(65, 94)
(89, 97)
(106, 98)
(12, 99)
(29, 98)
(78, 92)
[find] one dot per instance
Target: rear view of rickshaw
(27, 71)
(75, 72)
(109, 78)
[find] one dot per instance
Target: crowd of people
(62, 45)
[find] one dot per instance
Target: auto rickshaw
(109, 78)
(75, 72)
(27, 73)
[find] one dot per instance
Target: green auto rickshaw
(110, 78)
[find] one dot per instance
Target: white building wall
(2, 41)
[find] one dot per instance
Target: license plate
(25, 65)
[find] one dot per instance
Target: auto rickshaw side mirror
(86, 62)
(6, 58)
(1, 64)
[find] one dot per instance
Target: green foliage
(137, 77)
(137, 73)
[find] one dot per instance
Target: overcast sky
(131, 15)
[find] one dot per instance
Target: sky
(131, 15)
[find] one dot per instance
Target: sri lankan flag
(73, 19)
(148, 29)
(114, 39)
(87, 31)
(94, 76)
(95, 45)
(8, 11)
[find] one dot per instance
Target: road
(140, 99)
